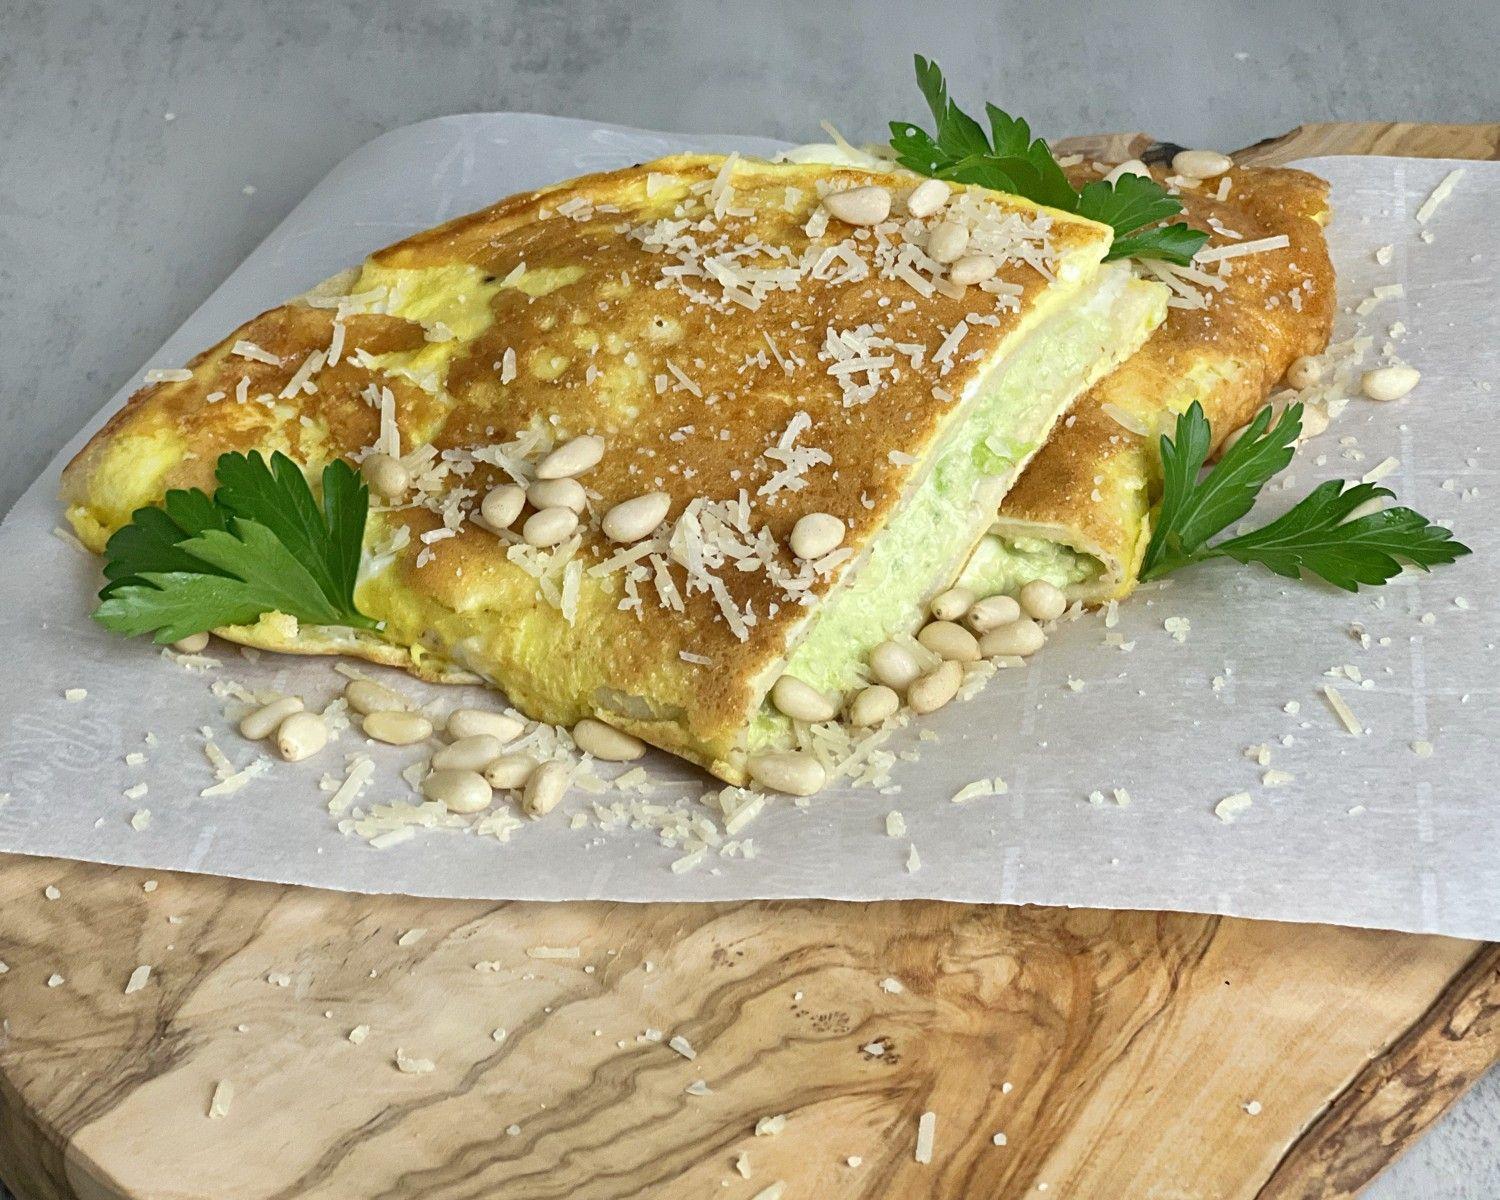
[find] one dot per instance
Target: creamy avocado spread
(1001, 565)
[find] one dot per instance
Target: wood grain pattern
(1406, 139)
(1099, 1021)
(1401, 1093)
(1133, 1042)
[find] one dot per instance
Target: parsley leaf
(1176, 243)
(260, 544)
(1315, 535)
(1192, 512)
(150, 541)
(1009, 159)
(1128, 203)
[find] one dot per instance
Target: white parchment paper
(1368, 832)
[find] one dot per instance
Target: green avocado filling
(925, 543)
(1000, 566)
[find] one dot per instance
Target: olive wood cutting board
(1120, 1054)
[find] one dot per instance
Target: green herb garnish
(1008, 159)
(1316, 535)
(260, 544)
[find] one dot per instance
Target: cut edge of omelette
(1014, 412)
(1080, 518)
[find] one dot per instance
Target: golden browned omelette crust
(1094, 482)
(693, 313)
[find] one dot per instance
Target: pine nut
(545, 788)
(632, 520)
(194, 643)
(557, 493)
(972, 268)
(1131, 166)
(992, 612)
(606, 742)
(571, 458)
(301, 736)
(952, 604)
(1314, 422)
(873, 706)
(1201, 164)
(816, 534)
(386, 475)
(859, 206)
(472, 722)
(894, 665)
(472, 753)
(1016, 640)
(1230, 439)
(789, 771)
(1389, 383)
(1043, 601)
(927, 197)
(947, 241)
(548, 527)
(510, 771)
(949, 641)
(502, 505)
(396, 728)
(1304, 372)
(365, 696)
(801, 701)
(263, 721)
(936, 688)
(458, 791)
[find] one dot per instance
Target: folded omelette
(1260, 295)
(732, 345)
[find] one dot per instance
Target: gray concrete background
(130, 132)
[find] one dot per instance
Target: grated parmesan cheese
(218, 1105)
(301, 379)
(926, 1135)
(980, 787)
(408, 1065)
(1342, 710)
(1439, 194)
(249, 350)
(1231, 806)
(1213, 254)
(232, 783)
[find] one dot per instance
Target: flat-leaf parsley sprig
(1008, 159)
(1317, 535)
(261, 543)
